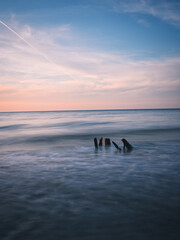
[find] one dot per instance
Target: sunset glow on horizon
(82, 55)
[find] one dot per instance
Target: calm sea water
(55, 185)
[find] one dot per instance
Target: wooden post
(127, 145)
(100, 141)
(107, 142)
(95, 143)
(116, 146)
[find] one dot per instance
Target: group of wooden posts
(127, 147)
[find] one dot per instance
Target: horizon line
(81, 110)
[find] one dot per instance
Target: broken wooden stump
(100, 141)
(127, 146)
(107, 142)
(116, 146)
(95, 143)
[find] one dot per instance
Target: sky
(89, 54)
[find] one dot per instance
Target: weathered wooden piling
(95, 143)
(100, 141)
(107, 142)
(127, 146)
(116, 146)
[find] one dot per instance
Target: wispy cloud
(78, 77)
(166, 10)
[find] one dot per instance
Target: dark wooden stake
(107, 142)
(127, 146)
(100, 141)
(116, 146)
(95, 143)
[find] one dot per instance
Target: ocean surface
(54, 184)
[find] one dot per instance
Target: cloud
(79, 77)
(166, 10)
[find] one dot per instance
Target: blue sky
(113, 25)
(98, 48)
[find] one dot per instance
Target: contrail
(19, 36)
(35, 49)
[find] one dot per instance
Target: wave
(69, 124)
(152, 130)
(108, 133)
(120, 133)
(12, 127)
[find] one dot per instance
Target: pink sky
(51, 76)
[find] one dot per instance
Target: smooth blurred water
(55, 185)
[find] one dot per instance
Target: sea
(55, 185)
